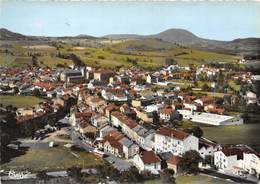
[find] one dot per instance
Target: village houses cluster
(121, 114)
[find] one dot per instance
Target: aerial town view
(129, 92)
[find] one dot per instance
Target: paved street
(118, 163)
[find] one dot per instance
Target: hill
(188, 39)
(165, 39)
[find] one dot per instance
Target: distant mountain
(172, 36)
(5, 34)
(123, 36)
(186, 38)
(8, 35)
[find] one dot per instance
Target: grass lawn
(19, 101)
(52, 159)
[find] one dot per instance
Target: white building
(147, 161)
(129, 148)
(207, 147)
(251, 163)
(227, 159)
(175, 141)
(210, 118)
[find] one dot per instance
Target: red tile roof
(173, 133)
(174, 160)
(149, 157)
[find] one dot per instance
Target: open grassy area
(238, 134)
(53, 159)
(19, 101)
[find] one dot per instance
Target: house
(87, 130)
(111, 144)
(147, 161)
(173, 163)
(211, 108)
(95, 103)
(99, 121)
(143, 115)
(106, 130)
(70, 73)
(109, 109)
(166, 113)
(114, 94)
(103, 75)
(175, 141)
(251, 97)
(251, 163)
(76, 117)
(129, 148)
(152, 79)
(205, 100)
(226, 159)
(207, 147)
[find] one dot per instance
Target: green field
(148, 54)
(52, 159)
(19, 101)
(238, 134)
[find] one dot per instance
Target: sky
(212, 20)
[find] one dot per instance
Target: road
(226, 177)
(118, 163)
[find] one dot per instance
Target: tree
(131, 175)
(168, 176)
(196, 131)
(108, 170)
(190, 162)
(156, 118)
(205, 87)
(34, 60)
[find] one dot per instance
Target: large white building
(251, 163)
(210, 118)
(175, 141)
(227, 159)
